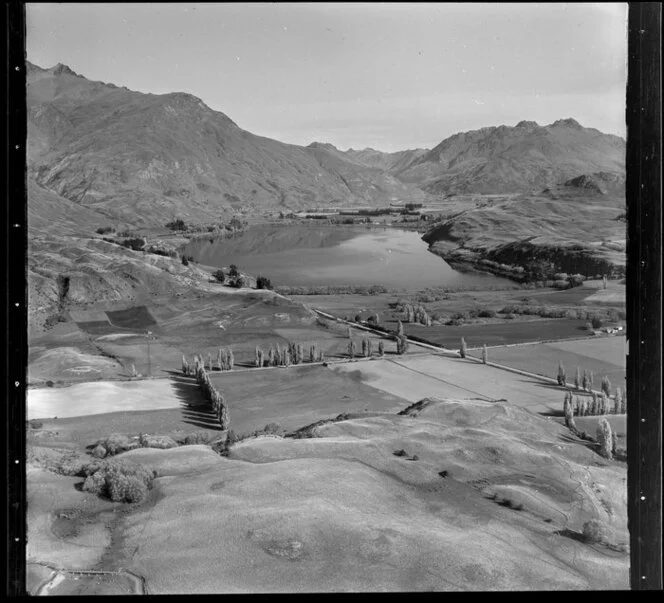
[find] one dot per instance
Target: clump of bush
(117, 443)
(105, 230)
(198, 437)
(119, 481)
(262, 282)
(178, 224)
(332, 290)
(531, 310)
(134, 243)
(156, 441)
(168, 253)
(219, 276)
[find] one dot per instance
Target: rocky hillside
(394, 162)
(574, 227)
(524, 158)
(142, 158)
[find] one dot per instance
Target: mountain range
(140, 159)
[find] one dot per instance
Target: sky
(390, 76)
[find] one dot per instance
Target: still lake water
(314, 255)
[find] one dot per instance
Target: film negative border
(644, 289)
(15, 296)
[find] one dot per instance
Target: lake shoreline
(337, 257)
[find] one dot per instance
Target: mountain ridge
(140, 156)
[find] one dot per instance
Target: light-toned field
(102, 397)
(340, 512)
(604, 356)
(421, 376)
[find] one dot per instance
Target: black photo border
(644, 295)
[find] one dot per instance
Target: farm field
(505, 333)
(605, 356)
(94, 348)
(102, 397)
(297, 396)
(426, 375)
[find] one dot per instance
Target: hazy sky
(385, 75)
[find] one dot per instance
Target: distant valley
(100, 155)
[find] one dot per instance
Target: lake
(319, 255)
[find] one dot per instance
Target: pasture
(605, 356)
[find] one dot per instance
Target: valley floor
(417, 472)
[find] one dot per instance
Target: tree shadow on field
(562, 390)
(552, 413)
(195, 410)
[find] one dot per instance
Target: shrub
(198, 437)
(233, 272)
(561, 377)
(121, 482)
(262, 282)
(485, 354)
(381, 348)
(105, 230)
(185, 261)
(157, 441)
(577, 378)
(486, 313)
(95, 483)
(219, 276)
(178, 224)
(238, 282)
(464, 350)
(596, 322)
(117, 443)
(594, 531)
(34, 424)
(99, 451)
(136, 244)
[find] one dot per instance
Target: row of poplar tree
(416, 314)
(367, 348)
(584, 382)
(584, 406)
(605, 435)
(210, 393)
(293, 353)
(225, 362)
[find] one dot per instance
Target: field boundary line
(513, 345)
(59, 571)
(454, 354)
(488, 398)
